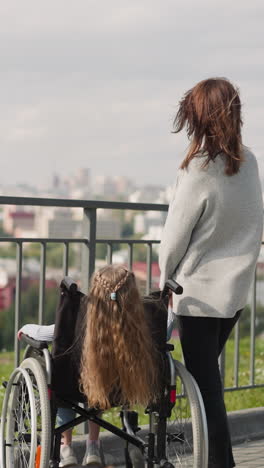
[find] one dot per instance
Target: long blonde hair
(118, 356)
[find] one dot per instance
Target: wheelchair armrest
(33, 343)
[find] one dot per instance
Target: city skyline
(86, 86)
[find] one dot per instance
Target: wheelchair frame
(154, 451)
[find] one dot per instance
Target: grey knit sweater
(212, 237)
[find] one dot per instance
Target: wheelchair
(176, 435)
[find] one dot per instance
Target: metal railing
(88, 243)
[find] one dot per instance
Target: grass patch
(235, 400)
(6, 368)
(251, 398)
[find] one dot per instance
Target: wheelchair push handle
(69, 284)
(173, 286)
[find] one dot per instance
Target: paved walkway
(249, 454)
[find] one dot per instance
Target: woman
(211, 241)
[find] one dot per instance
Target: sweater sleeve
(38, 332)
(185, 210)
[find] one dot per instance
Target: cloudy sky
(95, 83)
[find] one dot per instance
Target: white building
(67, 223)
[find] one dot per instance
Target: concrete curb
(244, 425)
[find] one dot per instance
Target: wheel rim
(38, 381)
(38, 416)
(20, 434)
(180, 449)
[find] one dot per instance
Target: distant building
(123, 185)
(30, 277)
(146, 194)
(104, 185)
(7, 294)
(83, 178)
(67, 223)
(152, 221)
(56, 223)
(108, 228)
(140, 270)
(16, 220)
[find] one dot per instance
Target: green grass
(250, 398)
(6, 367)
(241, 399)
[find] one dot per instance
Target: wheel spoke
(186, 431)
(18, 431)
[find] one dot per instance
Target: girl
(211, 241)
(118, 356)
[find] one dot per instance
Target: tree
(28, 313)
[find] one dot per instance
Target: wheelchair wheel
(18, 423)
(186, 431)
(42, 404)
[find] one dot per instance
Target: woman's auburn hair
(211, 112)
(118, 355)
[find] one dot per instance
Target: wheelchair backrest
(69, 332)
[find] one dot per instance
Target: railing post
(88, 249)
(253, 330)
(149, 268)
(109, 255)
(88, 265)
(18, 302)
(236, 355)
(65, 259)
(222, 360)
(42, 281)
(130, 256)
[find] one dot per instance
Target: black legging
(202, 341)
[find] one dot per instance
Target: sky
(96, 83)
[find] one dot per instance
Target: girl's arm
(38, 332)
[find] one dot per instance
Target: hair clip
(113, 296)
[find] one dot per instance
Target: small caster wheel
(166, 464)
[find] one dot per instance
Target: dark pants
(202, 340)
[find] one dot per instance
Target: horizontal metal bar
(61, 240)
(57, 240)
(243, 387)
(29, 201)
(127, 241)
